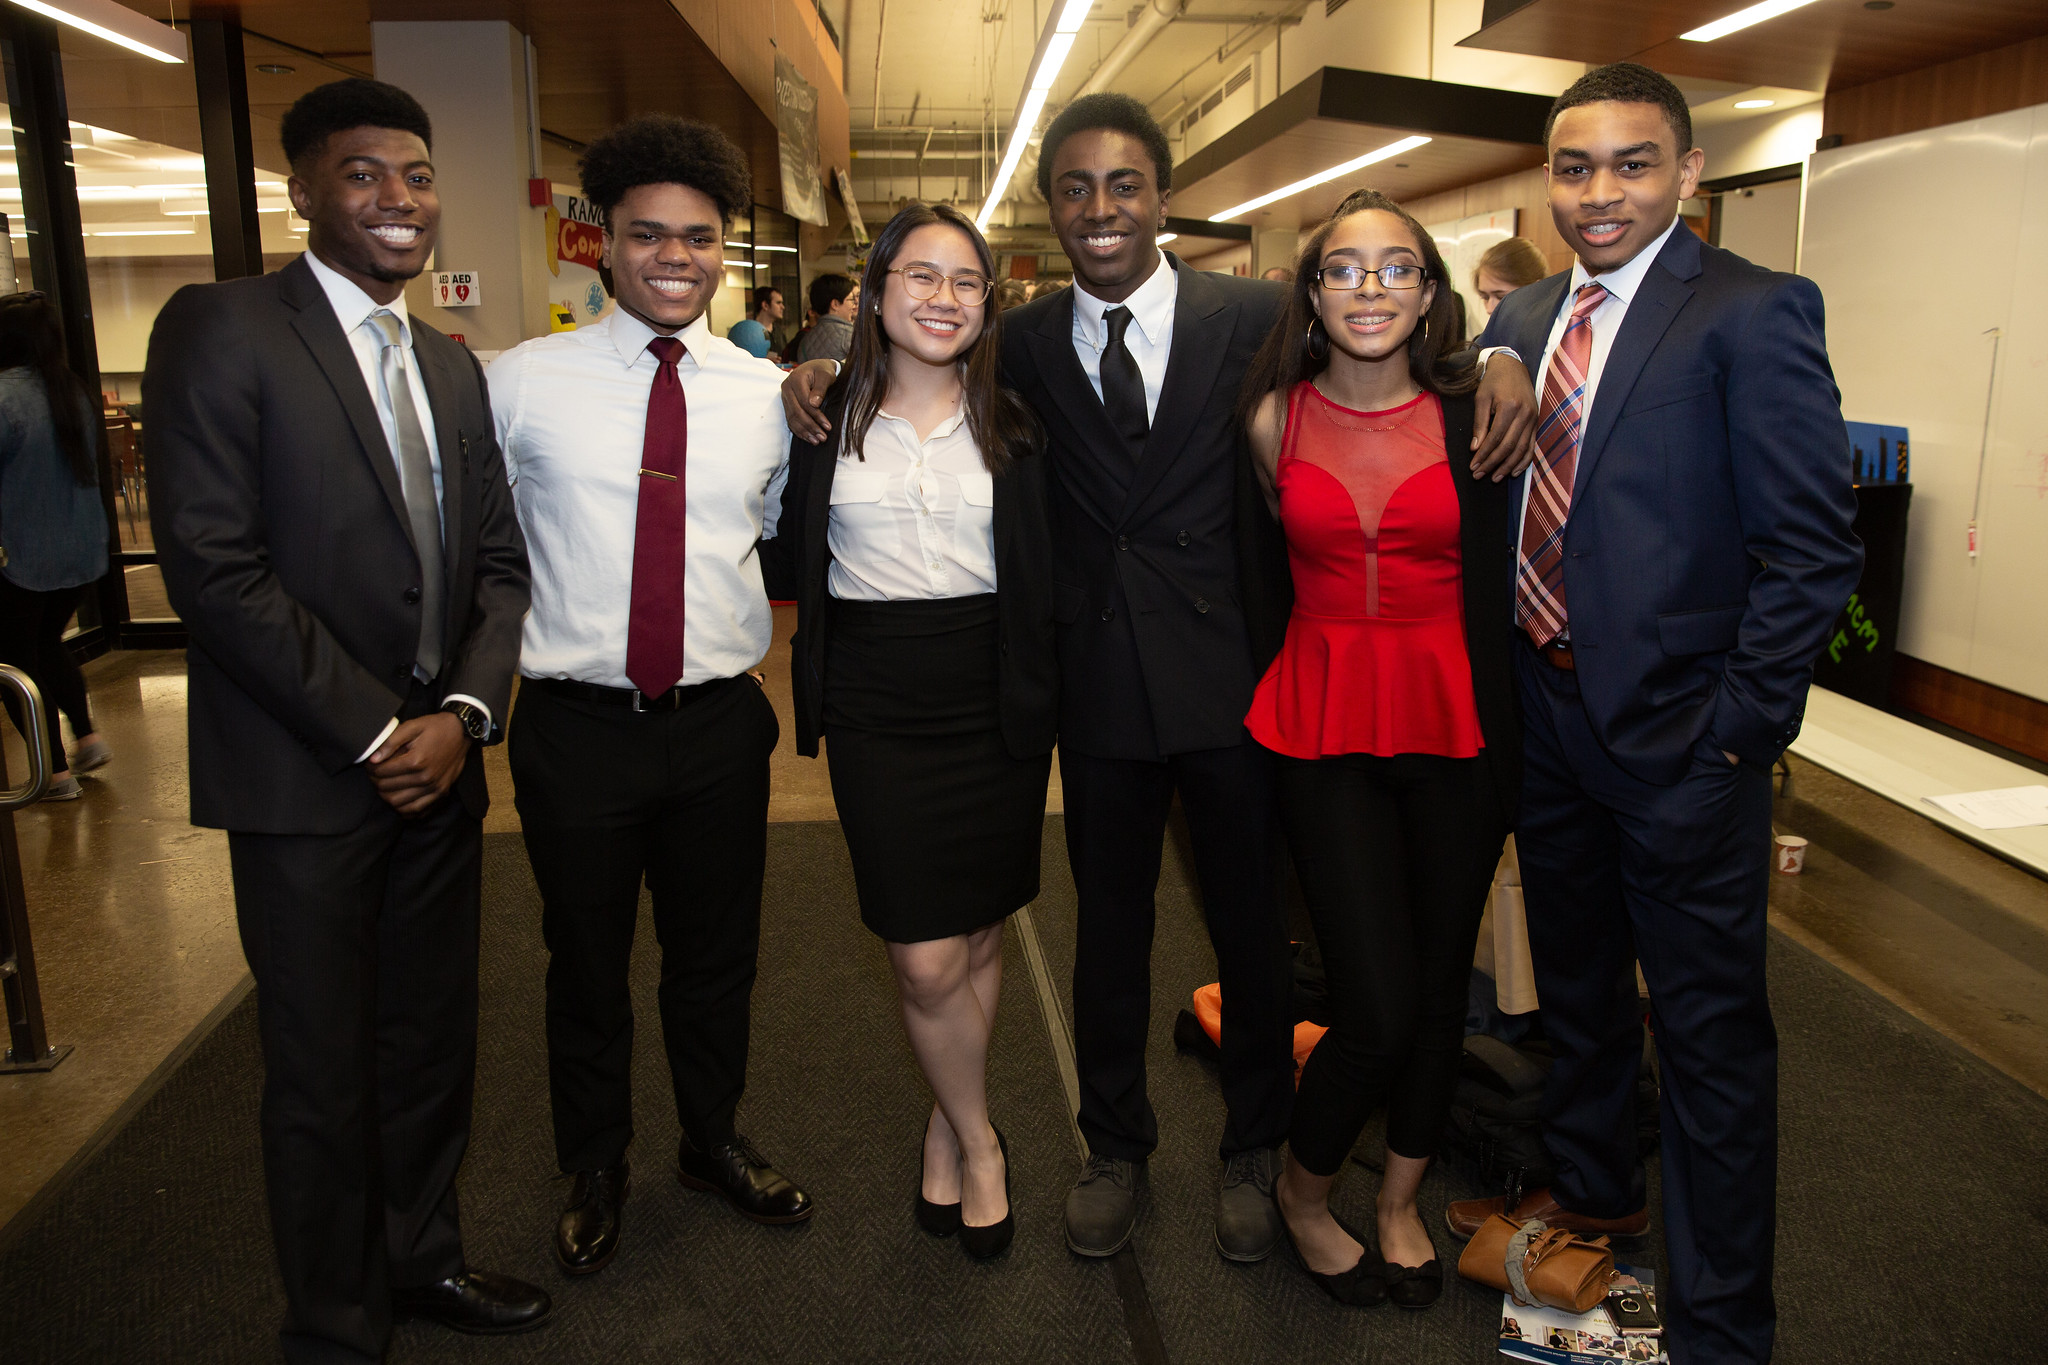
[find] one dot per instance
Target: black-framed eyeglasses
(1352, 276)
(970, 290)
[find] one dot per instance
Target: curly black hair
(1120, 113)
(1627, 83)
(661, 149)
(338, 106)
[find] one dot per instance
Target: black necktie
(1123, 388)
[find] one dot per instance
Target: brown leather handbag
(1539, 1264)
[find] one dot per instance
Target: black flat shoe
(753, 1187)
(1362, 1286)
(587, 1235)
(477, 1302)
(1414, 1286)
(988, 1242)
(940, 1220)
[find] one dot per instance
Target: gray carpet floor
(1913, 1199)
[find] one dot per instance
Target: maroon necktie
(1539, 577)
(654, 634)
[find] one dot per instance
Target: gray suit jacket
(286, 549)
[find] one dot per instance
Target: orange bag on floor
(1209, 1014)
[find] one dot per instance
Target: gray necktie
(416, 477)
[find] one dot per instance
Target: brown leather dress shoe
(753, 1187)
(1466, 1216)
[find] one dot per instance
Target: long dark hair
(1003, 427)
(32, 335)
(1435, 358)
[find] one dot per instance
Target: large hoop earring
(1318, 340)
(1425, 329)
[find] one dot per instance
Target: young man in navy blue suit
(1683, 549)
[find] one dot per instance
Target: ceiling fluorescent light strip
(1322, 177)
(1058, 44)
(117, 24)
(1742, 19)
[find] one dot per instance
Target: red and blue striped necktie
(1539, 574)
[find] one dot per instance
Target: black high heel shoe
(992, 1241)
(1362, 1286)
(940, 1220)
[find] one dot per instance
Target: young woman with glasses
(1390, 706)
(924, 656)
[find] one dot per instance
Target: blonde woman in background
(1506, 267)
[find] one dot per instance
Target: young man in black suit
(1685, 547)
(1170, 594)
(337, 535)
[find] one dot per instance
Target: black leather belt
(672, 700)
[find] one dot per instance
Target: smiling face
(666, 251)
(1372, 322)
(937, 330)
(368, 196)
(1615, 178)
(1107, 210)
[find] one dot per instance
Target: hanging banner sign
(573, 229)
(796, 127)
(575, 233)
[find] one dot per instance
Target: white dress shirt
(1621, 284)
(914, 519)
(571, 410)
(352, 309)
(1149, 337)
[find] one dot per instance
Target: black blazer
(1486, 545)
(1709, 546)
(286, 549)
(794, 563)
(1156, 650)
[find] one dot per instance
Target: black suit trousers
(609, 797)
(1116, 813)
(364, 950)
(1616, 870)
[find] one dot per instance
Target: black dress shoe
(753, 1187)
(986, 1243)
(588, 1233)
(478, 1302)
(1362, 1286)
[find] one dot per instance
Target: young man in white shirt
(647, 458)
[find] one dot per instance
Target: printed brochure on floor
(1551, 1336)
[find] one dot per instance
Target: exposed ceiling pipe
(1152, 21)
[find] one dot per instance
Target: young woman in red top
(1390, 707)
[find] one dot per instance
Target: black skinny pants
(32, 639)
(1395, 857)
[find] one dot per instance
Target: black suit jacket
(796, 560)
(1154, 610)
(1709, 548)
(286, 549)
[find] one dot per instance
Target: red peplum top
(1374, 661)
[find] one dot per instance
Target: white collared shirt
(352, 309)
(914, 519)
(571, 410)
(1149, 337)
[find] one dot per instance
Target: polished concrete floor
(135, 937)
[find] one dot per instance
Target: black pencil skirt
(943, 824)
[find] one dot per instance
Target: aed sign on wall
(456, 289)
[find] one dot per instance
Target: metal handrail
(37, 742)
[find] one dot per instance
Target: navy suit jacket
(1158, 599)
(1709, 547)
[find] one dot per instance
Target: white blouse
(915, 519)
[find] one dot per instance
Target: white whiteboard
(1461, 242)
(1922, 244)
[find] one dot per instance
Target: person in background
(1046, 286)
(1283, 274)
(1013, 294)
(53, 529)
(924, 655)
(756, 335)
(647, 459)
(336, 535)
(1507, 266)
(1685, 545)
(834, 300)
(1390, 711)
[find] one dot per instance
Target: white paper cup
(1791, 854)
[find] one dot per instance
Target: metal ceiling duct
(1152, 21)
